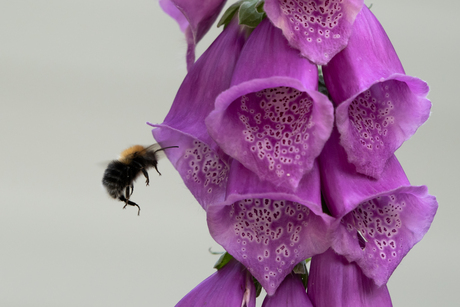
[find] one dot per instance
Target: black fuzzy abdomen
(117, 177)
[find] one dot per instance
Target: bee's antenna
(165, 148)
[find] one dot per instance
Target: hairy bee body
(120, 174)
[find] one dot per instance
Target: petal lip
(219, 123)
(269, 247)
(196, 162)
(383, 253)
(318, 41)
(277, 68)
(411, 110)
(388, 214)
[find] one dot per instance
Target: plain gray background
(78, 81)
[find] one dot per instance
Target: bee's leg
(156, 168)
(146, 175)
(128, 193)
(131, 203)
(132, 190)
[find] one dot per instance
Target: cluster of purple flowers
(287, 171)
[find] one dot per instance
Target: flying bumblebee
(120, 174)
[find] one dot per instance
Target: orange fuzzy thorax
(125, 154)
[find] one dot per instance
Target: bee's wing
(104, 164)
(153, 147)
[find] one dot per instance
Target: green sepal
(257, 285)
(229, 13)
(223, 260)
(323, 90)
(301, 269)
(251, 13)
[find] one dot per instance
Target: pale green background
(78, 81)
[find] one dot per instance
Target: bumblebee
(120, 174)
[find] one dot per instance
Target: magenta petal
(171, 9)
(272, 120)
(210, 76)
(391, 223)
(201, 164)
(379, 107)
(230, 286)
(194, 17)
(291, 293)
(270, 229)
(333, 281)
(318, 28)
(381, 220)
(368, 58)
(203, 171)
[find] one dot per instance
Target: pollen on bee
(129, 151)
